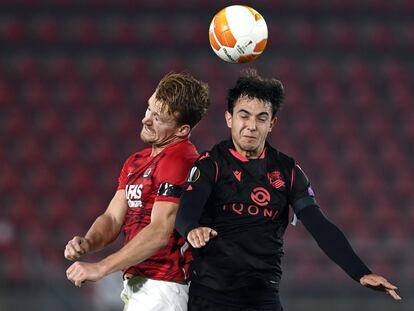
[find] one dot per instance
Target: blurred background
(75, 77)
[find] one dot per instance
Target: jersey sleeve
(199, 185)
(171, 175)
(301, 194)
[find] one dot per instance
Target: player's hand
(198, 237)
(380, 283)
(79, 272)
(76, 247)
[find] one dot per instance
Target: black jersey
(248, 206)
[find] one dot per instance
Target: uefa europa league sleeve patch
(194, 174)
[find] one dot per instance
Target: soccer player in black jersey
(235, 208)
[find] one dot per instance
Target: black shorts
(197, 303)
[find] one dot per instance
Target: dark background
(75, 77)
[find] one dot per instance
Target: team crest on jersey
(276, 179)
(147, 172)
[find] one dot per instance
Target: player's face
(250, 124)
(159, 126)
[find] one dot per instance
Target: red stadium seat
(15, 124)
(26, 68)
(380, 37)
(66, 151)
(9, 180)
(48, 30)
(344, 36)
(63, 69)
(160, 34)
(84, 31)
(97, 69)
(123, 32)
(133, 69)
(43, 180)
(7, 93)
(13, 30)
(36, 94)
(307, 35)
(79, 180)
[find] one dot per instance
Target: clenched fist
(198, 237)
(76, 247)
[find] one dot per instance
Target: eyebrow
(153, 112)
(264, 113)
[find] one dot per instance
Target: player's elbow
(161, 237)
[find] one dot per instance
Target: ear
(272, 123)
(183, 131)
(229, 119)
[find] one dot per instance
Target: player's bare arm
(198, 237)
(378, 282)
(103, 231)
(145, 244)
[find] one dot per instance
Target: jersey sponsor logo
(250, 209)
(260, 196)
(194, 174)
(237, 174)
(275, 179)
(134, 203)
(133, 195)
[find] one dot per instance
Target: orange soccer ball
(238, 34)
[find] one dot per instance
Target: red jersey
(141, 177)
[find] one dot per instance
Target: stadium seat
(343, 36)
(84, 31)
(13, 30)
(123, 32)
(48, 30)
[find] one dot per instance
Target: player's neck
(249, 154)
(157, 149)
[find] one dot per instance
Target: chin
(249, 147)
(145, 138)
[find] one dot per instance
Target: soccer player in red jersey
(154, 258)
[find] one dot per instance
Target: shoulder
(138, 155)
(284, 158)
(220, 150)
(183, 152)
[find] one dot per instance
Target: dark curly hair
(184, 96)
(252, 85)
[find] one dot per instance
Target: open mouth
(147, 130)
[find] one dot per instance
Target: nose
(147, 119)
(251, 124)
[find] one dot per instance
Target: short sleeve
(204, 172)
(301, 194)
(172, 171)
